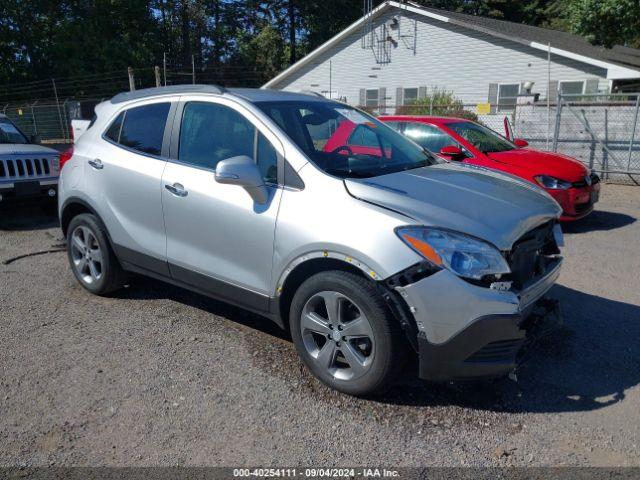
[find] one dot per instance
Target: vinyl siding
(447, 56)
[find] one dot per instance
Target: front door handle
(177, 189)
(97, 164)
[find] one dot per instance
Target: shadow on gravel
(143, 288)
(27, 216)
(599, 221)
(586, 365)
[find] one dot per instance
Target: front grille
(530, 254)
(20, 168)
(502, 351)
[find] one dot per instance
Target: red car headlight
(552, 183)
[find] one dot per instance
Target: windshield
(482, 138)
(346, 142)
(9, 133)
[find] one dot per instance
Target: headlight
(552, 182)
(464, 255)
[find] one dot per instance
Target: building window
(508, 95)
(572, 88)
(371, 99)
(410, 96)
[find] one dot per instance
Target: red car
(572, 184)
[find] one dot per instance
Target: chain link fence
(599, 130)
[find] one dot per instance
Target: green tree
(607, 22)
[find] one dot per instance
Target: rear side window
(113, 132)
(142, 128)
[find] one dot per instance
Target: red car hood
(539, 162)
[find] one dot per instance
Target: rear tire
(91, 257)
(345, 333)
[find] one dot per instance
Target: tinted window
(482, 138)
(428, 136)
(113, 132)
(211, 133)
(143, 128)
(397, 126)
(323, 129)
(9, 133)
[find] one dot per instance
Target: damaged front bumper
(467, 331)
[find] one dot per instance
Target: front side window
(363, 136)
(508, 96)
(482, 138)
(141, 128)
(9, 133)
(345, 142)
(428, 136)
(211, 133)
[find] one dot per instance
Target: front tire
(345, 334)
(91, 257)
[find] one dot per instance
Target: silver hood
(486, 204)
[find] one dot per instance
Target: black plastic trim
(291, 177)
(225, 291)
(448, 361)
(128, 256)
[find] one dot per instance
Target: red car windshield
(483, 138)
(346, 142)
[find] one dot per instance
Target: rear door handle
(177, 189)
(97, 164)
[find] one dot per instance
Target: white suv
(320, 218)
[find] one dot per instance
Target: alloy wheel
(86, 255)
(337, 335)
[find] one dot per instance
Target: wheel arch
(73, 207)
(310, 264)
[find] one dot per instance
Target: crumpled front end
(470, 329)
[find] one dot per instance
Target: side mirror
(243, 172)
(520, 143)
(34, 139)
(455, 153)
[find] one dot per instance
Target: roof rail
(171, 89)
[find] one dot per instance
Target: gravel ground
(156, 375)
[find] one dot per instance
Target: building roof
(620, 62)
(620, 55)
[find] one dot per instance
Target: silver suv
(27, 170)
(320, 218)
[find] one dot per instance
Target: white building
(400, 51)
